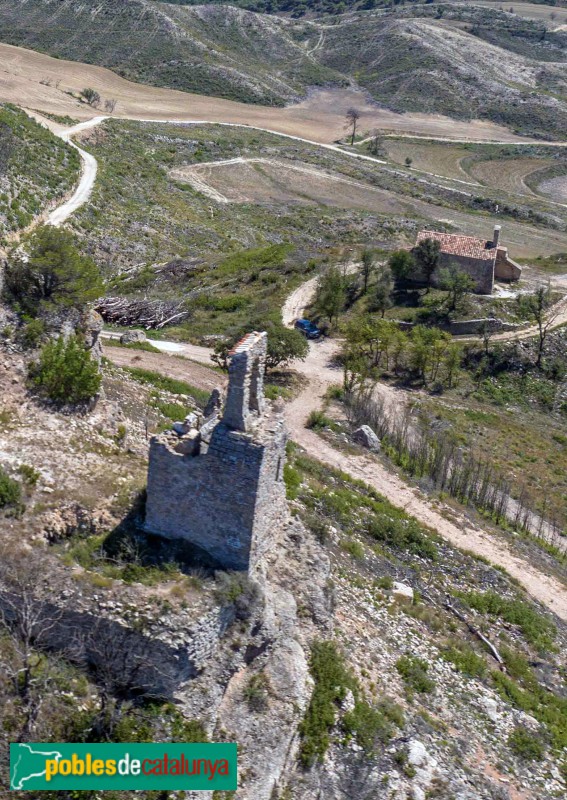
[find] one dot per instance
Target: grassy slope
(158, 237)
(355, 521)
(36, 168)
(135, 161)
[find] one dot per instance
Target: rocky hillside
(36, 169)
(364, 658)
(464, 61)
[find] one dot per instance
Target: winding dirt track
(52, 85)
(321, 373)
(23, 72)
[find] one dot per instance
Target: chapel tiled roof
(457, 245)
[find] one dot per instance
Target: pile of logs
(142, 313)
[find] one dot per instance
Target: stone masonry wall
(226, 496)
(482, 272)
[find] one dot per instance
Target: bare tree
(27, 619)
(538, 308)
(486, 333)
(110, 105)
(352, 117)
(376, 144)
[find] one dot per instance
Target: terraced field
(267, 181)
(507, 174)
(437, 159)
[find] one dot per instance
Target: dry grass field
(262, 180)
(52, 85)
(508, 175)
(273, 182)
(437, 159)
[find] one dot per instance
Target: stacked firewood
(143, 313)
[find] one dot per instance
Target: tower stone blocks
(219, 485)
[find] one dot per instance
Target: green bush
(401, 534)
(369, 725)
(292, 480)
(526, 745)
(317, 420)
(55, 274)
(10, 491)
(66, 372)
(256, 692)
(465, 659)
(331, 679)
(536, 628)
(414, 673)
(31, 334)
(29, 474)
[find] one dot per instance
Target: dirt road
(52, 85)
(321, 373)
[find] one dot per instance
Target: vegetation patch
(36, 169)
(171, 385)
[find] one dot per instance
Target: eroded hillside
(463, 61)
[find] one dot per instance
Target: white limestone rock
(366, 437)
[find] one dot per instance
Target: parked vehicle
(307, 328)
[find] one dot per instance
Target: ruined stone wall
(224, 494)
(226, 501)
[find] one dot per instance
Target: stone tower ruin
(219, 484)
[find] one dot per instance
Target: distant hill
(216, 50)
(441, 66)
(461, 60)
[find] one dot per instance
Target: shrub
(537, 630)
(401, 534)
(331, 679)
(256, 692)
(465, 659)
(31, 334)
(368, 724)
(353, 548)
(317, 420)
(10, 491)
(292, 480)
(414, 673)
(29, 474)
(54, 275)
(526, 745)
(66, 372)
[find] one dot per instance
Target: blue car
(307, 328)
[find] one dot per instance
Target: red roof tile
(457, 245)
